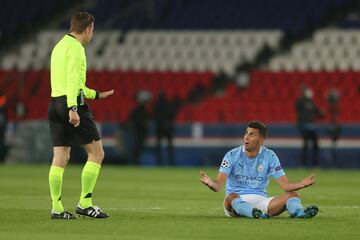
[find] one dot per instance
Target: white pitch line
(189, 208)
(339, 207)
(151, 208)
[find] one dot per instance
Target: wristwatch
(73, 108)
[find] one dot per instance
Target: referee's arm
(89, 93)
(73, 75)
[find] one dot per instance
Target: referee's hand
(74, 118)
(106, 94)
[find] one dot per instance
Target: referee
(71, 122)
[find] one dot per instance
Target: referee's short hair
(259, 126)
(80, 21)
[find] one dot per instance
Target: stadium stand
(328, 50)
(153, 50)
(271, 97)
(19, 19)
(142, 59)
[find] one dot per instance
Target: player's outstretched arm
(213, 185)
(288, 186)
(106, 94)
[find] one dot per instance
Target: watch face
(74, 108)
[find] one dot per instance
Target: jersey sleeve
(73, 74)
(89, 93)
(276, 169)
(227, 163)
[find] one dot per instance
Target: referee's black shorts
(64, 133)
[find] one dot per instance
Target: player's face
(252, 140)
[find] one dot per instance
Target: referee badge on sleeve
(224, 164)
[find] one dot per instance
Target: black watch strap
(97, 95)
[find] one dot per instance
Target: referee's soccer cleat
(63, 215)
(257, 213)
(308, 212)
(93, 212)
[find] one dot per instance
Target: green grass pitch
(169, 203)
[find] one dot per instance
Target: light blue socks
(294, 207)
(242, 208)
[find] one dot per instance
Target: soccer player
(246, 171)
(71, 122)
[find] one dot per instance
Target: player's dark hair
(259, 126)
(80, 21)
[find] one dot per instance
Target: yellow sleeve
(89, 93)
(73, 74)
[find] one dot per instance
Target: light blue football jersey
(250, 175)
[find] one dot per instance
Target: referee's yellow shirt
(68, 70)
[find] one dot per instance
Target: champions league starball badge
(224, 164)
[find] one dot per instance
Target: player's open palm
(308, 181)
(106, 94)
(205, 179)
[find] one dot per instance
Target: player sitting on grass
(246, 170)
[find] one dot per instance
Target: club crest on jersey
(260, 168)
(224, 164)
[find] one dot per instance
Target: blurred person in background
(138, 122)
(307, 113)
(219, 82)
(164, 115)
(333, 99)
(71, 121)
(3, 125)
